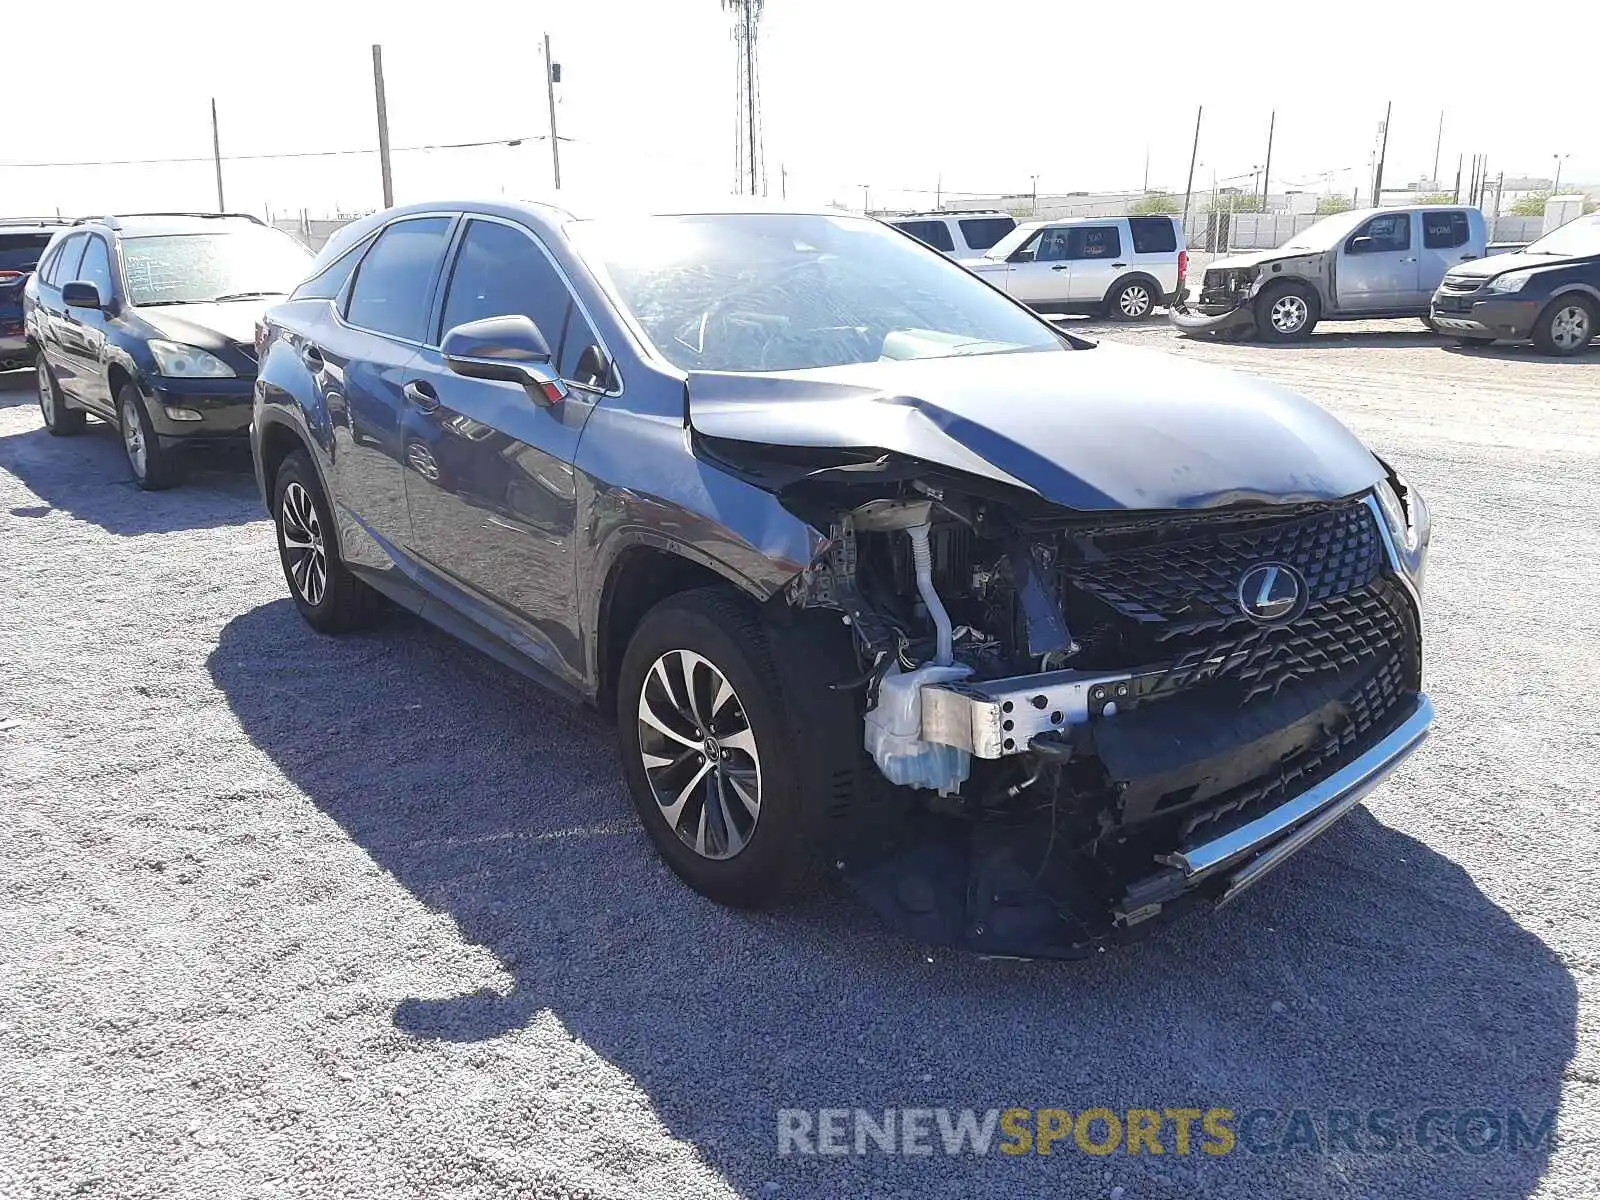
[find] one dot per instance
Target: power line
(141, 162)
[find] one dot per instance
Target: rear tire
(153, 467)
(1286, 311)
(1566, 326)
(60, 420)
(1131, 300)
(694, 765)
(329, 597)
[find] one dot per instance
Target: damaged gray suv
(1034, 640)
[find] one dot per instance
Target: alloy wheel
(47, 397)
(1569, 328)
(133, 438)
(1288, 314)
(699, 754)
(1134, 301)
(303, 545)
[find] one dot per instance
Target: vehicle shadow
(17, 389)
(1369, 974)
(87, 476)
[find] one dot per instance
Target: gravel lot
(287, 915)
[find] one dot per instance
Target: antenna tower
(749, 167)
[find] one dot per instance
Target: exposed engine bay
(1080, 700)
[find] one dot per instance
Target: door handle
(1119, 264)
(421, 394)
(1406, 260)
(1062, 267)
(1468, 257)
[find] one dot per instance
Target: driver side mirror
(1022, 256)
(510, 349)
(1362, 245)
(82, 295)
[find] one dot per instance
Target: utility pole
(1555, 188)
(552, 72)
(783, 181)
(750, 87)
(216, 154)
(1437, 142)
(1458, 179)
(383, 125)
(1035, 194)
(938, 192)
(1146, 186)
(1383, 150)
(866, 198)
(1194, 156)
(1266, 171)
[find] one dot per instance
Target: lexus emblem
(1272, 593)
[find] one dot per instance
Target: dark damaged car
(1034, 640)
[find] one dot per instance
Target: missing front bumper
(1192, 321)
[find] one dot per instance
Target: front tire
(708, 749)
(1131, 300)
(1566, 326)
(1286, 312)
(329, 597)
(60, 420)
(153, 467)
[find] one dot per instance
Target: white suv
(1120, 267)
(957, 234)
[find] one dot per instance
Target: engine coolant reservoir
(894, 732)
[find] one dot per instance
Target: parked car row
(22, 241)
(1426, 261)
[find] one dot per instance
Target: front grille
(1343, 631)
(1461, 283)
(1336, 550)
(1162, 599)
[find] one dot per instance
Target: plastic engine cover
(894, 732)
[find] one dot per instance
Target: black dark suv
(148, 321)
(1039, 639)
(22, 241)
(1548, 294)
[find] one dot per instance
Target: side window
(933, 233)
(327, 283)
(1388, 231)
(1095, 241)
(65, 267)
(1054, 245)
(983, 232)
(96, 266)
(581, 360)
(392, 290)
(499, 272)
(1444, 230)
(1153, 235)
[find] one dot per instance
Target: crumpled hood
(204, 325)
(1095, 430)
(1256, 258)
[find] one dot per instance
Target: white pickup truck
(1120, 267)
(1355, 265)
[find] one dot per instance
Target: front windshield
(193, 268)
(1572, 239)
(1325, 234)
(1008, 245)
(777, 292)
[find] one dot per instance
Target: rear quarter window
(21, 251)
(983, 232)
(1444, 230)
(1153, 235)
(933, 233)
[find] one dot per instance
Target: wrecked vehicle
(1034, 640)
(1357, 265)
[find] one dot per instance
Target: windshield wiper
(244, 296)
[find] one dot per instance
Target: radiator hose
(922, 559)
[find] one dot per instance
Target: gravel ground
(289, 915)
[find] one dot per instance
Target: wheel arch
(641, 572)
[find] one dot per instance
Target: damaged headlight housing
(1406, 515)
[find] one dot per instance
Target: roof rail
(111, 221)
(34, 221)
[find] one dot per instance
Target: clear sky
(972, 96)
